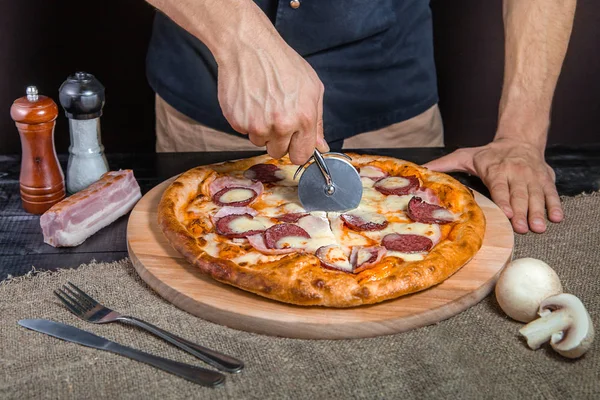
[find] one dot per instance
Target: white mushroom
(523, 285)
(565, 322)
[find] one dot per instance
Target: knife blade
(69, 333)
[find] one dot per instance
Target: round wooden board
(182, 284)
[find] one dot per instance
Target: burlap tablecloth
(477, 354)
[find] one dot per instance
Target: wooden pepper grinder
(42, 180)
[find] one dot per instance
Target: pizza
(241, 222)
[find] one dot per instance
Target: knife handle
(192, 373)
(212, 357)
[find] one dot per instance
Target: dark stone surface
(21, 243)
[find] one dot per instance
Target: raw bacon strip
(234, 196)
(407, 243)
(374, 173)
(333, 257)
(291, 217)
(73, 220)
(228, 182)
(420, 211)
(276, 233)
(362, 258)
(364, 222)
(258, 242)
(398, 185)
(238, 226)
(265, 173)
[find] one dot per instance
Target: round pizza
(241, 222)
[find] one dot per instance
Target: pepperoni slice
(374, 173)
(333, 257)
(238, 226)
(234, 196)
(398, 185)
(229, 182)
(291, 217)
(362, 257)
(407, 243)
(274, 234)
(364, 222)
(420, 211)
(265, 173)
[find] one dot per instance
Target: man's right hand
(266, 90)
(274, 96)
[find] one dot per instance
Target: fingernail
(521, 224)
(557, 214)
(538, 222)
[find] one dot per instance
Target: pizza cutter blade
(329, 183)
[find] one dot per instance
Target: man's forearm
(537, 33)
(220, 24)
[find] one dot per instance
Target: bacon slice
(225, 211)
(265, 173)
(258, 242)
(408, 243)
(398, 185)
(420, 211)
(73, 220)
(374, 173)
(363, 258)
(228, 182)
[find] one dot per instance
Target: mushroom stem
(541, 330)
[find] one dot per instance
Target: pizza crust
(299, 278)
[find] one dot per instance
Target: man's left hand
(517, 176)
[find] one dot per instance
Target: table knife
(69, 333)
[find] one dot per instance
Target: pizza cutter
(329, 183)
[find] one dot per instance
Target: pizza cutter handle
(329, 188)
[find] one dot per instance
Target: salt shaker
(42, 182)
(82, 98)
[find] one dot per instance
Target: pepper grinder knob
(41, 179)
(82, 97)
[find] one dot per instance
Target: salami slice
(420, 211)
(238, 226)
(265, 173)
(234, 196)
(364, 221)
(285, 236)
(333, 257)
(225, 211)
(228, 182)
(291, 217)
(398, 185)
(407, 243)
(362, 257)
(374, 173)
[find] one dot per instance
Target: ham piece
(73, 220)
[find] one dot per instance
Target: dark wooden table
(21, 244)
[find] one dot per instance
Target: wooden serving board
(182, 284)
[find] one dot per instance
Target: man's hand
(275, 97)
(519, 180)
(266, 90)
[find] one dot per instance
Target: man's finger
(537, 207)
(501, 195)
(519, 201)
(277, 148)
(457, 161)
(322, 145)
(553, 205)
(301, 148)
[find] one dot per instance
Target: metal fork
(88, 309)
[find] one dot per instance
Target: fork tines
(75, 299)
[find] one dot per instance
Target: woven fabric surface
(477, 354)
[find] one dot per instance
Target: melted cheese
(245, 224)
(393, 182)
(236, 195)
(362, 256)
(286, 172)
(395, 203)
(368, 215)
(317, 226)
(371, 172)
(406, 256)
(292, 242)
(337, 258)
(443, 214)
(367, 182)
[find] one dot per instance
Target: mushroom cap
(574, 341)
(522, 286)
